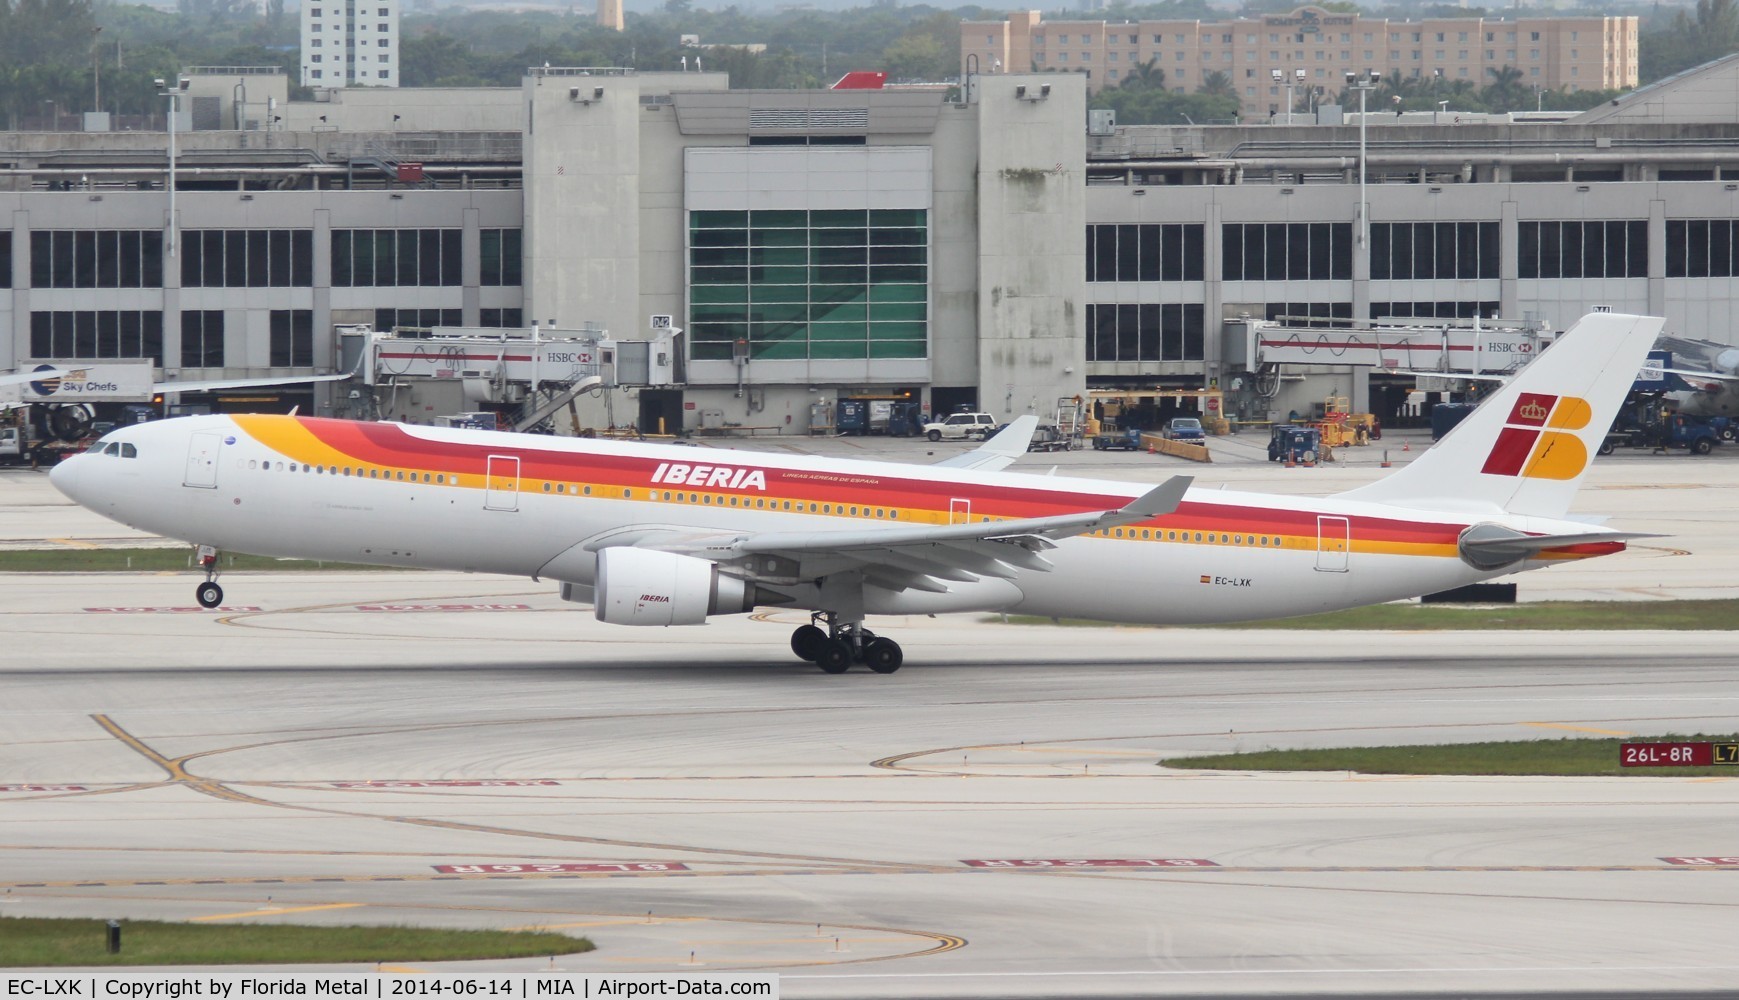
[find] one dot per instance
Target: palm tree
(1217, 84)
(1505, 92)
(1145, 76)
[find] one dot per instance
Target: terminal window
(502, 255)
(1149, 332)
(800, 284)
(501, 318)
(1582, 249)
(1419, 250)
(5, 260)
(365, 258)
(247, 258)
(1148, 252)
(1702, 248)
(1295, 251)
(97, 335)
(202, 338)
(1433, 310)
(292, 338)
(100, 258)
(388, 319)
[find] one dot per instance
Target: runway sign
(1677, 754)
(1083, 863)
(190, 610)
(521, 869)
(440, 784)
(43, 788)
(1702, 861)
(411, 608)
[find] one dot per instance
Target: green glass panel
(836, 275)
(699, 351)
(838, 237)
(718, 238)
(897, 237)
(779, 219)
(896, 348)
(779, 255)
(851, 292)
(778, 275)
(899, 293)
(838, 218)
(718, 275)
(721, 312)
(897, 216)
(717, 220)
(837, 312)
(896, 331)
(718, 293)
(837, 331)
(705, 257)
(779, 237)
(897, 255)
(899, 311)
(838, 349)
(778, 312)
(770, 332)
(903, 273)
(717, 331)
(780, 293)
(795, 350)
(843, 255)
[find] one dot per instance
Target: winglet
(1161, 500)
(1000, 450)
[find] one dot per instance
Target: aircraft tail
(1527, 446)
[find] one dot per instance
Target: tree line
(58, 57)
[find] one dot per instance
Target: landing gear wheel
(209, 595)
(883, 656)
(833, 656)
(806, 641)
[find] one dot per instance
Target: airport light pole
(1364, 83)
(173, 94)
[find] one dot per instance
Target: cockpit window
(128, 451)
(112, 449)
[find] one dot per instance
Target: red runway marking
(1702, 861)
(43, 788)
(1086, 863)
(535, 867)
(441, 784)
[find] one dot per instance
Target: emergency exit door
(1333, 542)
(202, 449)
(501, 492)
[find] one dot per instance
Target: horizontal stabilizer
(1493, 546)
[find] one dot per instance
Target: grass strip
(41, 941)
(1584, 757)
(150, 561)
(1610, 616)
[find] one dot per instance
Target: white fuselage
(541, 507)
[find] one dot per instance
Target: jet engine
(649, 587)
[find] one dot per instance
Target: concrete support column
(325, 342)
(1657, 257)
(472, 273)
(1509, 245)
(19, 345)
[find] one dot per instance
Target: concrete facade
(350, 43)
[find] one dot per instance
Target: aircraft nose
(65, 476)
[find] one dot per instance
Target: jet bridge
(1451, 348)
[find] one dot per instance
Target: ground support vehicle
(961, 425)
(1676, 430)
(1186, 429)
(1294, 445)
(1114, 440)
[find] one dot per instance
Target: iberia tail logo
(1538, 439)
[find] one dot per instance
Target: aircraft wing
(924, 557)
(999, 451)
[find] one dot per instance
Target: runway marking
(404, 970)
(1108, 753)
(177, 771)
(277, 911)
(74, 543)
(1578, 729)
(624, 922)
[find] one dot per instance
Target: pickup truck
(961, 425)
(1184, 429)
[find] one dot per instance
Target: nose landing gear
(835, 648)
(208, 594)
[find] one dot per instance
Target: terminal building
(815, 246)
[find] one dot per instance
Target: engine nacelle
(649, 587)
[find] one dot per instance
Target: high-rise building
(350, 43)
(610, 14)
(1307, 52)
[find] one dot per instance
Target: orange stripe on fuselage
(389, 447)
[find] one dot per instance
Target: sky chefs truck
(50, 416)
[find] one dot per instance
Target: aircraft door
(1333, 542)
(202, 451)
(502, 489)
(959, 510)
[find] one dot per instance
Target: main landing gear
(208, 594)
(835, 648)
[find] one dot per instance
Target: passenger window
(893, 515)
(588, 491)
(707, 499)
(441, 480)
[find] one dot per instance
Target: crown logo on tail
(1533, 411)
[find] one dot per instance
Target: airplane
(660, 535)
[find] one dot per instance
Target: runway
(374, 747)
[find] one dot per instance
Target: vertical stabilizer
(1527, 447)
